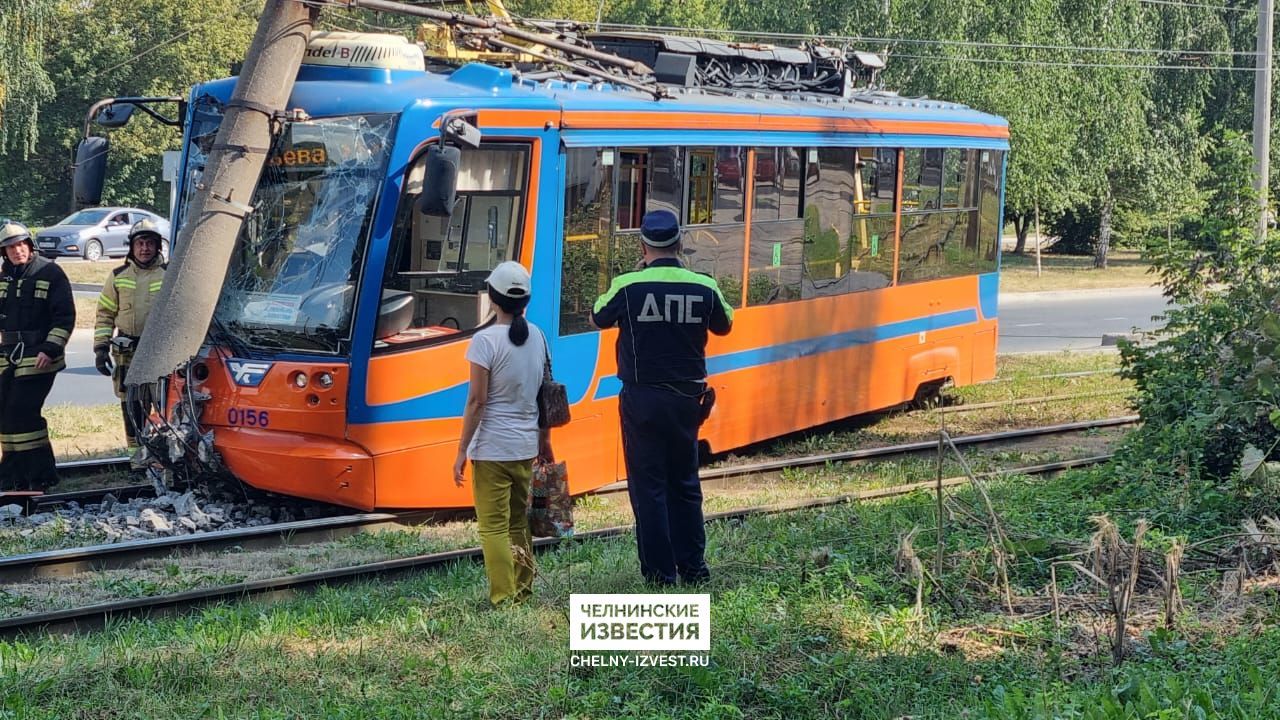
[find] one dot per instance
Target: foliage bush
(1076, 229)
(1208, 386)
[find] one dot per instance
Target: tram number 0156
(247, 417)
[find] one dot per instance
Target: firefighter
(123, 306)
(664, 312)
(37, 314)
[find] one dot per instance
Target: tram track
(101, 466)
(75, 469)
(70, 562)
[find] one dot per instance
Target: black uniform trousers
(660, 443)
(26, 457)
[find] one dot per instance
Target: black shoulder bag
(553, 399)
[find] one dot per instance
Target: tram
(856, 236)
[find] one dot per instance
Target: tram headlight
(299, 380)
(324, 380)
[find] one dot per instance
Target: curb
(1059, 294)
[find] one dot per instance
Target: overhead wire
(1184, 52)
(1176, 3)
(1049, 63)
(918, 41)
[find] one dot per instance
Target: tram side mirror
(460, 130)
(90, 171)
(114, 116)
(395, 314)
(440, 181)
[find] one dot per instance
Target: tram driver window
(442, 262)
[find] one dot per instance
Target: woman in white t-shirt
(500, 432)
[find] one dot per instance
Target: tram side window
(588, 209)
(666, 183)
(878, 173)
(989, 165)
(714, 232)
(922, 179)
(953, 241)
(607, 193)
(716, 250)
(776, 264)
(954, 166)
(716, 189)
(849, 221)
(873, 242)
(829, 202)
(648, 179)
(443, 262)
(777, 184)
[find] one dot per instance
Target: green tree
(101, 48)
(1210, 385)
(24, 84)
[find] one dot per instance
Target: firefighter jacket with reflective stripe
(126, 300)
(663, 313)
(37, 314)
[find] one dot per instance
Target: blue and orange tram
(856, 236)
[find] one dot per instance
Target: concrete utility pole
(1262, 111)
(177, 325)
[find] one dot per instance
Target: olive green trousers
(502, 499)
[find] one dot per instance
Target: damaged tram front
(336, 275)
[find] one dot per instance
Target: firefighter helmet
(12, 233)
(145, 226)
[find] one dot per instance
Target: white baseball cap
(510, 279)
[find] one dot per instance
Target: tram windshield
(292, 279)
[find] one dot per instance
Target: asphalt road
(1029, 322)
(80, 383)
(1074, 320)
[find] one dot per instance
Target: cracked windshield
(292, 280)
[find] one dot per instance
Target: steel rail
(94, 465)
(76, 468)
(88, 496)
(1029, 401)
(914, 447)
(71, 561)
(96, 616)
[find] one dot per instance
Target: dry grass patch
(81, 432)
(89, 273)
(1125, 268)
(86, 312)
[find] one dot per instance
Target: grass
(80, 432)
(86, 312)
(1125, 268)
(809, 620)
(1017, 376)
(590, 513)
(89, 273)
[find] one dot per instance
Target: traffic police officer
(663, 312)
(37, 314)
(125, 302)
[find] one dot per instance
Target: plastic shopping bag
(550, 507)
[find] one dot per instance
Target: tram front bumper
(309, 466)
